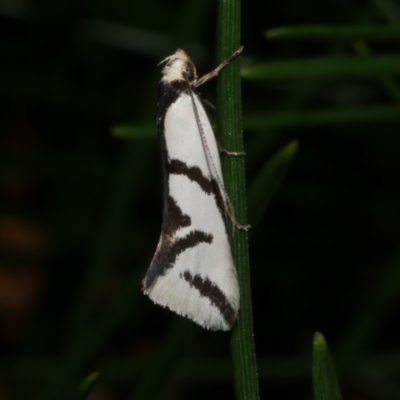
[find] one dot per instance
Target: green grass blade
(331, 117)
(230, 125)
(323, 371)
(389, 9)
(388, 82)
(268, 180)
(134, 131)
(323, 68)
(336, 32)
(86, 386)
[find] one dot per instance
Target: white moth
(192, 271)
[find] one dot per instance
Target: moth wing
(192, 272)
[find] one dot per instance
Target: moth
(192, 272)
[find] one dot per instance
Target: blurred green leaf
(388, 82)
(86, 386)
(323, 371)
(323, 68)
(268, 180)
(334, 32)
(133, 131)
(389, 9)
(331, 117)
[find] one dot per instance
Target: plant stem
(230, 126)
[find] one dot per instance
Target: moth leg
(206, 101)
(236, 223)
(216, 71)
(228, 152)
(209, 104)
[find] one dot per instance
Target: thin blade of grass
(388, 82)
(323, 68)
(331, 117)
(86, 386)
(134, 131)
(336, 32)
(324, 376)
(389, 9)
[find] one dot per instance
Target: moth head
(179, 67)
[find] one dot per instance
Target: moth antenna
(167, 59)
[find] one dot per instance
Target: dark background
(80, 208)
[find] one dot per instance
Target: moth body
(192, 272)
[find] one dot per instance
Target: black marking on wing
(208, 289)
(168, 93)
(178, 167)
(175, 218)
(166, 256)
(180, 245)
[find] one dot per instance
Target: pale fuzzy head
(179, 67)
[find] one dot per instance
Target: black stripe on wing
(171, 248)
(210, 290)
